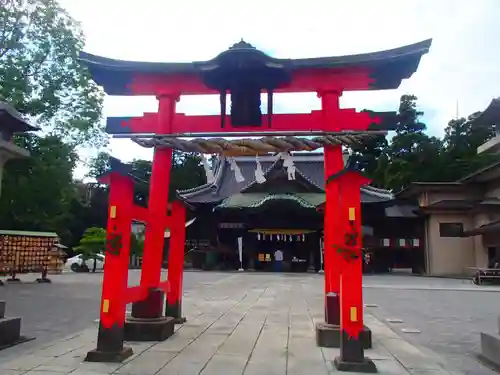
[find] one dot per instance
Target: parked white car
(76, 263)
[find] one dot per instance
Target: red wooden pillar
(176, 261)
(334, 164)
(351, 281)
(112, 315)
(154, 239)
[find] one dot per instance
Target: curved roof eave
(215, 185)
(384, 195)
(415, 50)
(389, 66)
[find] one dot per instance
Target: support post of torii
(148, 322)
(354, 336)
(343, 198)
(176, 262)
(114, 286)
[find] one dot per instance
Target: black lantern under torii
(245, 72)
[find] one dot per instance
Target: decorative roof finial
(242, 45)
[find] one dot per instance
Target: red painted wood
(158, 200)
(165, 286)
(351, 279)
(114, 285)
(305, 80)
(338, 120)
(176, 252)
(140, 214)
(334, 163)
(332, 234)
(136, 294)
(157, 208)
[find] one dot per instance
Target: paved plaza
(242, 323)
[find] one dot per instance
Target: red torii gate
(243, 72)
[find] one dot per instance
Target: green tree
(412, 155)
(99, 165)
(187, 172)
(88, 209)
(367, 156)
(38, 191)
(461, 140)
(137, 244)
(92, 244)
(40, 74)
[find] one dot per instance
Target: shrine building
(284, 214)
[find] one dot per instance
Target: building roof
(388, 68)
(12, 121)
(491, 115)
(462, 204)
(490, 227)
(485, 174)
(309, 169)
(27, 233)
(257, 200)
(417, 188)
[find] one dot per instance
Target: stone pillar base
(328, 336)
(180, 320)
(366, 366)
(105, 356)
(158, 329)
(43, 280)
(174, 310)
(490, 346)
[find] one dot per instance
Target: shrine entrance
(243, 72)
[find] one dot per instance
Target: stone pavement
(245, 324)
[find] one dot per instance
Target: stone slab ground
(245, 324)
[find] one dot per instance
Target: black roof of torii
(388, 68)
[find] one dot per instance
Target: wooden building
(462, 218)
(282, 213)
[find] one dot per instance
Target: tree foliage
(38, 191)
(92, 243)
(187, 172)
(412, 155)
(40, 74)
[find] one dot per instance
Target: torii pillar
(354, 336)
(111, 332)
(176, 261)
(342, 196)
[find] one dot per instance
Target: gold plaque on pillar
(112, 212)
(353, 312)
(105, 306)
(352, 214)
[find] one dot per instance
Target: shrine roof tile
(308, 165)
(255, 200)
(490, 116)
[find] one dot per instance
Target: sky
(460, 75)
